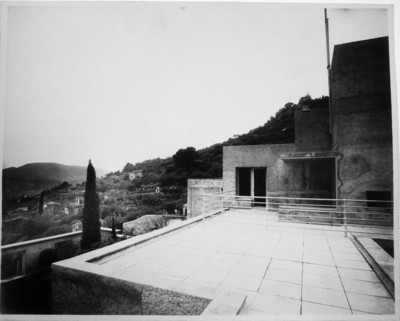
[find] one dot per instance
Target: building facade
(344, 152)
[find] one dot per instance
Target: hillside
(34, 177)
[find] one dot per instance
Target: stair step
(226, 303)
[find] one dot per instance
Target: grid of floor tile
(282, 270)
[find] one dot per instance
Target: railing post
(344, 218)
(266, 211)
(222, 201)
(203, 206)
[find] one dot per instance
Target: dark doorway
(244, 181)
(259, 186)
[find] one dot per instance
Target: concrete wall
(28, 252)
(195, 190)
(285, 172)
(362, 117)
(23, 258)
(312, 130)
(82, 292)
(255, 156)
(362, 169)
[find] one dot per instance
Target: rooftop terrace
(241, 266)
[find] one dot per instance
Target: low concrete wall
(78, 292)
(25, 255)
(23, 258)
(196, 189)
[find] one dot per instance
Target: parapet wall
(82, 292)
(195, 190)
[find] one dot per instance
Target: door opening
(252, 182)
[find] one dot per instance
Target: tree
(41, 202)
(186, 158)
(91, 211)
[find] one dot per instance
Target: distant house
(53, 208)
(19, 212)
(135, 174)
(76, 226)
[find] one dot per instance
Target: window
(382, 198)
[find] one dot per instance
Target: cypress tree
(113, 231)
(91, 211)
(41, 203)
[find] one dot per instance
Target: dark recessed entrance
(252, 182)
(260, 187)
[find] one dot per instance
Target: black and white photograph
(199, 159)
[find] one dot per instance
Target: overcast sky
(126, 82)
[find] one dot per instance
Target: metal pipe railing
(345, 213)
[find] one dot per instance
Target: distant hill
(34, 177)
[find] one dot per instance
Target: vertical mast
(329, 69)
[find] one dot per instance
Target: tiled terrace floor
(282, 270)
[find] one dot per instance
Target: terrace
(235, 262)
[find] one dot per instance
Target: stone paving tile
(200, 288)
(273, 304)
(353, 265)
(237, 248)
(317, 251)
(181, 270)
(285, 289)
(208, 276)
(198, 253)
(348, 256)
(254, 260)
(247, 311)
(157, 246)
(322, 281)
(260, 250)
(355, 312)
(284, 275)
(225, 303)
(309, 308)
(318, 269)
(228, 257)
(364, 287)
(218, 265)
(256, 271)
(325, 296)
(191, 260)
(286, 265)
(319, 260)
(152, 265)
(242, 282)
(371, 304)
(289, 256)
(361, 275)
(346, 248)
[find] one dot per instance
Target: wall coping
(48, 239)
(41, 240)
